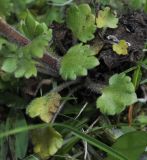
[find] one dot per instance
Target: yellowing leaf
(106, 19)
(44, 107)
(46, 141)
(121, 48)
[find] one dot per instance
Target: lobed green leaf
(78, 59)
(81, 21)
(106, 19)
(117, 96)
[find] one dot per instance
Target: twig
(85, 148)
(63, 103)
(65, 85)
(43, 82)
(14, 36)
(130, 114)
(82, 109)
(84, 142)
(91, 126)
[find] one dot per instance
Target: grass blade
(98, 144)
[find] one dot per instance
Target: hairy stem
(65, 85)
(11, 34)
(93, 86)
(50, 63)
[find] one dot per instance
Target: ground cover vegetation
(73, 79)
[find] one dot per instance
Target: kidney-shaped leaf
(81, 21)
(131, 145)
(106, 19)
(44, 107)
(119, 94)
(78, 59)
(46, 141)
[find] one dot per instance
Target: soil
(132, 27)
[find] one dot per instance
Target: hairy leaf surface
(106, 19)
(119, 94)
(81, 21)
(46, 141)
(20, 60)
(44, 107)
(78, 59)
(32, 28)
